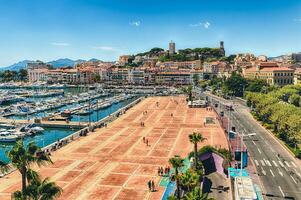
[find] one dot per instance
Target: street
(279, 174)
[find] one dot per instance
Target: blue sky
(104, 29)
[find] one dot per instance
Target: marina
(47, 116)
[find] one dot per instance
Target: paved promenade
(115, 163)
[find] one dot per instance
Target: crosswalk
(277, 168)
(275, 163)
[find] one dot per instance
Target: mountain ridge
(56, 63)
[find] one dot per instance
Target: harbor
(48, 116)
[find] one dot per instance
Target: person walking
(146, 142)
(149, 183)
(159, 171)
(153, 186)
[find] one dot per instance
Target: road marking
(280, 172)
(282, 165)
(254, 142)
(287, 163)
(259, 150)
(263, 171)
(281, 191)
(293, 179)
(272, 173)
(268, 163)
(298, 174)
(256, 162)
(275, 163)
(294, 164)
(262, 162)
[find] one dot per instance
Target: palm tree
(22, 157)
(195, 138)
(197, 194)
(189, 180)
(172, 197)
(177, 162)
(40, 190)
(3, 167)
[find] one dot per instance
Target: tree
(96, 78)
(177, 162)
(256, 85)
(3, 167)
(195, 138)
(294, 99)
(189, 180)
(197, 194)
(172, 197)
(40, 190)
(235, 85)
(22, 74)
(195, 79)
(22, 157)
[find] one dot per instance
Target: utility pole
(241, 152)
(97, 110)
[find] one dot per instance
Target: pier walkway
(114, 162)
(44, 123)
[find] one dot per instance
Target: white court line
(280, 172)
(294, 164)
(287, 163)
(259, 150)
(256, 162)
(275, 163)
(262, 162)
(268, 163)
(272, 173)
(282, 165)
(281, 191)
(293, 179)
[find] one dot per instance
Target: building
(124, 59)
(62, 75)
(272, 73)
(297, 76)
(217, 68)
(37, 71)
(296, 57)
(136, 76)
(222, 49)
(172, 48)
(244, 188)
(173, 78)
(183, 65)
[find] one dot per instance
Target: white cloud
(135, 23)
(104, 48)
(201, 24)
(60, 44)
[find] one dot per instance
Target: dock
(44, 123)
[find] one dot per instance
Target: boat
(36, 130)
(85, 111)
(8, 137)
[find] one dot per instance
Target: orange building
(272, 73)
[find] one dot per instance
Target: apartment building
(272, 73)
(173, 78)
(37, 71)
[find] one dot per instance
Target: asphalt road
(279, 173)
